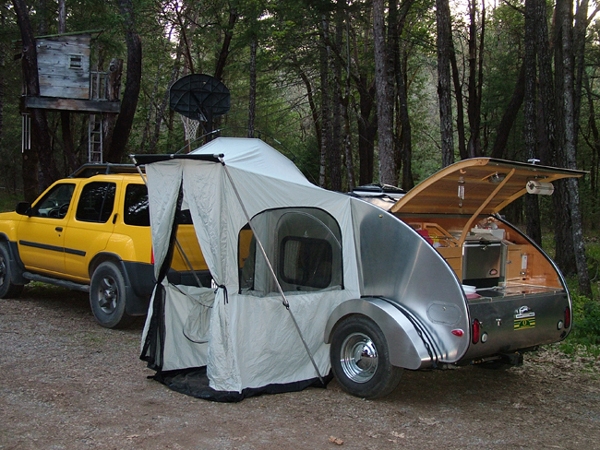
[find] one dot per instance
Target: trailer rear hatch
(516, 296)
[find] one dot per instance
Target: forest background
(354, 92)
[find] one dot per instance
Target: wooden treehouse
(68, 83)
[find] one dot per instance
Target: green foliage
(8, 200)
(585, 336)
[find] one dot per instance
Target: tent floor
(194, 382)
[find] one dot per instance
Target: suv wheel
(107, 296)
(7, 289)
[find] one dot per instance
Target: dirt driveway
(66, 383)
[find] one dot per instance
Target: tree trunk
(475, 80)
(546, 84)
(40, 135)
(113, 88)
(528, 72)
(252, 87)
(510, 113)
(444, 38)
(122, 130)
(334, 151)
(458, 95)
(311, 103)
(385, 99)
(367, 130)
(163, 111)
(325, 100)
(571, 191)
(224, 53)
(401, 69)
(62, 16)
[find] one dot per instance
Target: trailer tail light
(475, 331)
(567, 317)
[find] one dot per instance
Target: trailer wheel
(107, 296)
(7, 288)
(360, 359)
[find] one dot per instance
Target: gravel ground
(67, 383)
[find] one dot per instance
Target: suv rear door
(91, 226)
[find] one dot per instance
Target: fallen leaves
(336, 440)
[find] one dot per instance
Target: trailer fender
(405, 346)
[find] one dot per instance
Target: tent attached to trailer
(308, 281)
(282, 257)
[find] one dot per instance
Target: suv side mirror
(23, 208)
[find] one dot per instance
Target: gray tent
(251, 331)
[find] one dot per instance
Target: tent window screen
(303, 246)
(306, 262)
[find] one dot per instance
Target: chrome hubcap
(359, 358)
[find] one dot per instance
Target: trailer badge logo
(524, 318)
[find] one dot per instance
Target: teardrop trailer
(309, 282)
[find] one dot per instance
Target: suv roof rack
(90, 169)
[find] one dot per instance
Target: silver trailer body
(449, 281)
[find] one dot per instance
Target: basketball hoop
(198, 98)
(190, 126)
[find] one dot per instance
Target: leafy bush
(585, 335)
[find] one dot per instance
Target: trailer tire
(360, 359)
(7, 288)
(108, 296)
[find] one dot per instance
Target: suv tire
(107, 296)
(7, 288)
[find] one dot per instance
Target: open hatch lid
(477, 186)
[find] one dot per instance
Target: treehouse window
(75, 62)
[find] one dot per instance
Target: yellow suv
(91, 232)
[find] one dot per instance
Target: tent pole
(279, 288)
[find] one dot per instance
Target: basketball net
(190, 127)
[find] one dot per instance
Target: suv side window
(137, 211)
(96, 202)
(55, 203)
(136, 206)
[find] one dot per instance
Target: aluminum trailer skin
(446, 280)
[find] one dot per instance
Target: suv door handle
(58, 229)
